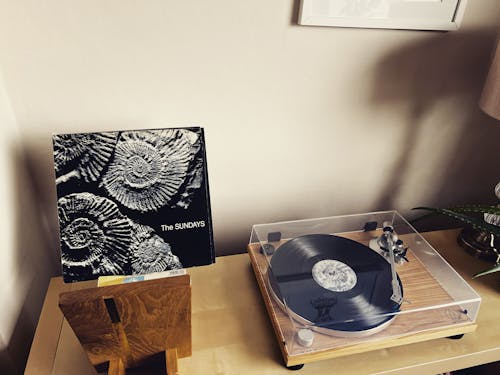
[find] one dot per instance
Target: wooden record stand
(130, 325)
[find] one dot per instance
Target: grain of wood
(116, 367)
(171, 361)
(154, 315)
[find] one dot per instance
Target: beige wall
(25, 261)
(8, 215)
(300, 121)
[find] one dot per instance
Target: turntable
(348, 284)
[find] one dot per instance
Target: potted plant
(482, 235)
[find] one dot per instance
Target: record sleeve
(132, 202)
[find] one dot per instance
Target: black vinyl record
(334, 283)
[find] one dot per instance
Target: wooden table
(233, 335)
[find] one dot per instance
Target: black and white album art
(132, 202)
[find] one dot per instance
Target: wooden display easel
(128, 325)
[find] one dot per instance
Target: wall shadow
(35, 257)
(294, 17)
(19, 344)
(39, 167)
(6, 366)
(420, 76)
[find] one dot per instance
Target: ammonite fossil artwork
(127, 200)
(148, 168)
(150, 253)
(85, 155)
(95, 236)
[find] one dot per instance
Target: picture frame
(440, 15)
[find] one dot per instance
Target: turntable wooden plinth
(429, 314)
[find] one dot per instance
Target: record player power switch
(305, 337)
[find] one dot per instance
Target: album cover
(132, 202)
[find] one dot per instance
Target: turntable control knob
(305, 337)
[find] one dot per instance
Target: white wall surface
(300, 121)
(8, 215)
(25, 265)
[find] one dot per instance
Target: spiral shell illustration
(93, 234)
(150, 253)
(149, 167)
(86, 153)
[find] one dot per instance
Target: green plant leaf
(475, 222)
(481, 209)
(495, 268)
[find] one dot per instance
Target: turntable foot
(295, 367)
(456, 337)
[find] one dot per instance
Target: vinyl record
(334, 283)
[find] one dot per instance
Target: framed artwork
(389, 14)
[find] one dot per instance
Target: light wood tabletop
(232, 334)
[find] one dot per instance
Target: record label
(334, 275)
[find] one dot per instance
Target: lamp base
(478, 243)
